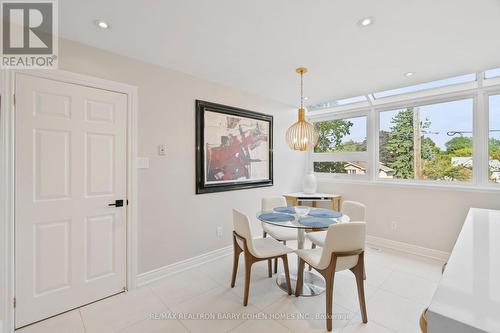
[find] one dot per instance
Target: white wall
(174, 223)
(427, 217)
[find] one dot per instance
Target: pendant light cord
(301, 90)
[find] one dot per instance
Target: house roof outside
(467, 161)
(364, 165)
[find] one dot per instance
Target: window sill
(410, 184)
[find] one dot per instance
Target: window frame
(362, 156)
(479, 91)
(487, 95)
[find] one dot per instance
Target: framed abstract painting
(234, 148)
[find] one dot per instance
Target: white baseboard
(159, 273)
(407, 248)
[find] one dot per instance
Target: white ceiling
(255, 45)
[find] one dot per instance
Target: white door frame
(7, 170)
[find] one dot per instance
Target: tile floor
(398, 287)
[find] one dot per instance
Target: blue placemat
(325, 213)
(316, 222)
(286, 210)
(276, 217)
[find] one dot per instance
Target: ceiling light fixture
(366, 21)
(301, 135)
(409, 74)
(102, 24)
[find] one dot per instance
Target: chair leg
(236, 259)
(300, 277)
(287, 274)
(275, 265)
(248, 269)
(358, 271)
(329, 301)
(313, 246)
(270, 268)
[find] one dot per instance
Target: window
(428, 142)
(342, 146)
(492, 73)
(427, 85)
(337, 102)
(494, 139)
(341, 135)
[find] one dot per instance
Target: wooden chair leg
(275, 265)
(313, 246)
(329, 301)
(300, 278)
(236, 259)
(248, 270)
(358, 272)
(287, 274)
(270, 268)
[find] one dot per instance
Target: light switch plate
(142, 163)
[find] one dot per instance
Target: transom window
(428, 85)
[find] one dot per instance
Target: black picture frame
(201, 185)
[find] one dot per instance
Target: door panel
(52, 164)
(70, 246)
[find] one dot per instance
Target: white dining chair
(281, 234)
(255, 250)
(343, 249)
(356, 212)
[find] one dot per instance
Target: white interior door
(70, 246)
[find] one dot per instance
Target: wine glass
(302, 210)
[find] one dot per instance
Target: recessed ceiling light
(306, 98)
(366, 21)
(102, 24)
(409, 74)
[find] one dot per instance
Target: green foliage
(429, 149)
(329, 167)
(458, 143)
(494, 149)
(440, 168)
(330, 135)
(399, 148)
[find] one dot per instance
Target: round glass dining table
(314, 284)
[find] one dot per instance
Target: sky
(444, 117)
(358, 129)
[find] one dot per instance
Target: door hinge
(14, 99)
(14, 302)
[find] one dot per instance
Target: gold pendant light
(301, 136)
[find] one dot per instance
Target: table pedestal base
(314, 284)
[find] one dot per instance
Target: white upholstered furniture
(278, 233)
(356, 212)
(255, 250)
(343, 249)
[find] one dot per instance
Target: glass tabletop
(279, 217)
